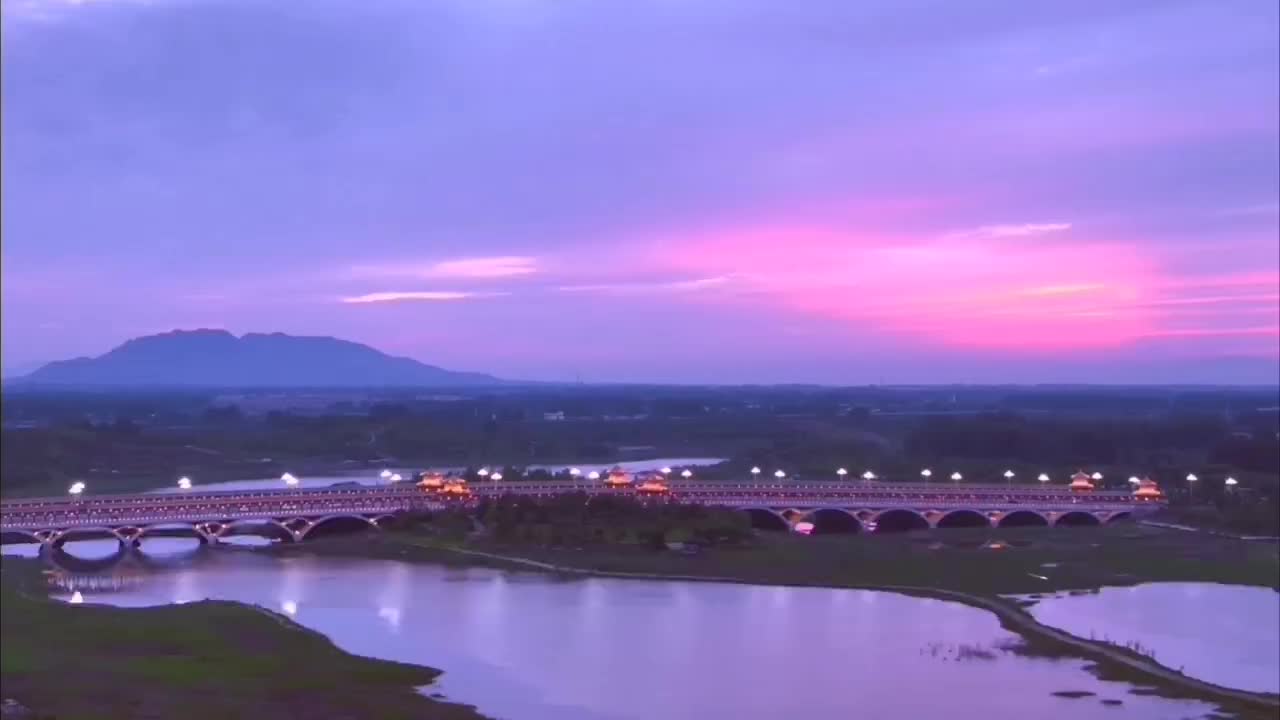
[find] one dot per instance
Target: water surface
(372, 477)
(1228, 635)
(531, 647)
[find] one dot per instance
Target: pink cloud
(1004, 290)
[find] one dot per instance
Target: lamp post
(395, 477)
(841, 472)
(1230, 482)
(184, 483)
(686, 473)
(779, 474)
(385, 474)
(1008, 476)
(483, 473)
(593, 475)
(1043, 478)
(868, 476)
(1097, 476)
(1191, 487)
(76, 489)
(289, 479)
(926, 474)
(495, 476)
(755, 473)
(956, 477)
(574, 473)
(1134, 480)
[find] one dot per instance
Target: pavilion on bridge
(1081, 482)
(1148, 490)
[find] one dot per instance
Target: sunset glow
(1014, 193)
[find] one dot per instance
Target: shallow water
(531, 647)
(1228, 635)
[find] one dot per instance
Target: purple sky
(894, 191)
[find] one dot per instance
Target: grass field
(978, 561)
(205, 660)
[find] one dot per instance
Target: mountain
(216, 358)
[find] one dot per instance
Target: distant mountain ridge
(216, 358)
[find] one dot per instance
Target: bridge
(206, 515)
(295, 513)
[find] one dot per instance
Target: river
(526, 646)
(372, 477)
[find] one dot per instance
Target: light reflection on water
(531, 647)
(1226, 634)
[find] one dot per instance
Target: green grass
(213, 660)
(1075, 558)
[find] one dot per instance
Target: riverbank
(201, 661)
(975, 568)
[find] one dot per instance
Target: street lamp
(868, 476)
(665, 471)
(385, 474)
(779, 474)
(289, 479)
(842, 472)
(574, 472)
(926, 474)
(1230, 482)
(1008, 475)
(755, 472)
(396, 477)
(1043, 478)
(956, 476)
(184, 483)
(495, 476)
(593, 475)
(1134, 480)
(686, 473)
(483, 472)
(76, 488)
(1096, 476)
(1191, 485)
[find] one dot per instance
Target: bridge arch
(763, 518)
(102, 532)
(257, 526)
(1122, 516)
(170, 529)
(830, 520)
(1077, 518)
(900, 520)
(350, 519)
(16, 536)
(1023, 518)
(962, 519)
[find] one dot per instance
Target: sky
(721, 191)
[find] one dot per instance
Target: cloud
(632, 288)
(413, 296)
(477, 268)
(1008, 231)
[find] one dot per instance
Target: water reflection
(529, 647)
(1225, 634)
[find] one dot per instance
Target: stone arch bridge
(209, 517)
(296, 513)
